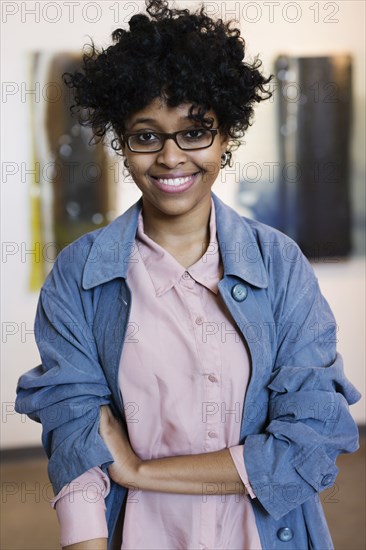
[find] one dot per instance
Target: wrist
(127, 472)
(141, 474)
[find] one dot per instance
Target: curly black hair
(177, 55)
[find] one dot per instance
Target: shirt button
(186, 275)
(285, 534)
(327, 479)
(239, 292)
(212, 378)
(199, 320)
(212, 435)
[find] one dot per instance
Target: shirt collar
(113, 247)
(165, 271)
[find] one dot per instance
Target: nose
(171, 154)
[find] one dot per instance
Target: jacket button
(239, 292)
(327, 479)
(285, 534)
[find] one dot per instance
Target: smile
(174, 184)
(174, 181)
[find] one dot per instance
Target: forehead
(159, 112)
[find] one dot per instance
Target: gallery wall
(270, 29)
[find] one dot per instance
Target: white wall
(269, 31)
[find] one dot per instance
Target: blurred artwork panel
(73, 190)
(310, 197)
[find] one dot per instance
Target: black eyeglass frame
(164, 136)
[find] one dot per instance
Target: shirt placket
(209, 370)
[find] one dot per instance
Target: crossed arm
(207, 473)
(197, 474)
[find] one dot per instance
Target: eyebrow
(153, 121)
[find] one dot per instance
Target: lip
(174, 189)
(173, 175)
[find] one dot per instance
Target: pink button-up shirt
(184, 371)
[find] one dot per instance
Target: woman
(190, 391)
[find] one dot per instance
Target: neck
(178, 232)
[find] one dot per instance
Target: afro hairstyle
(178, 56)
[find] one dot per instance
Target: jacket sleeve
(65, 392)
(309, 422)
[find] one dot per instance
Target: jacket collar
(113, 247)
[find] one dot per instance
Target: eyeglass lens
(187, 139)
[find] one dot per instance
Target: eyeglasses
(188, 140)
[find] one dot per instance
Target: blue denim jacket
(295, 418)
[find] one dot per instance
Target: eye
(143, 137)
(195, 134)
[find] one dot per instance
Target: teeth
(174, 181)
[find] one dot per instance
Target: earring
(225, 158)
(126, 169)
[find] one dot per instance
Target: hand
(126, 463)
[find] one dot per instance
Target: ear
(123, 145)
(124, 148)
(224, 140)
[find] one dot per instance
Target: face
(150, 169)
